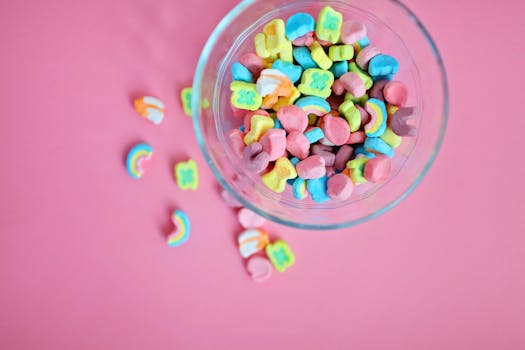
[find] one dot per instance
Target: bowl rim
(206, 51)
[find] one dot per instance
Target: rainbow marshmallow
(313, 105)
(181, 232)
(138, 156)
(377, 125)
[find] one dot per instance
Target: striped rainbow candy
(137, 157)
(151, 108)
(313, 105)
(251, 241)
(377, 124)
(181, 232)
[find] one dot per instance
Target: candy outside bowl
(394, 29)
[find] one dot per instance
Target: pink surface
(83, 261)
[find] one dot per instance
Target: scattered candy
(185, 97)
(137, 159)
(249, 219)
(252, 241)
(187, 175)
(259, 268)
(181, 232)
(321, 111)
(150, 108)
(280, 255)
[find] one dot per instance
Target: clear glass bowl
(395, 30)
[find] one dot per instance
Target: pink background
(83, 262)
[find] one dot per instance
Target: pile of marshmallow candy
(321, 110)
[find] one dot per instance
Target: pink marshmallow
(274, 143)
(249, 219)
(356, 137)
(325, 152)
(312, 167)
(305, 40)
(365, 55)
(336, 129)
(353, 84)
(338, 87)
(378, 169)
(396, 93)
(293, 118)
(399, 122)
(340, 187)
(330, 171)
(238, 113)
(252, 62)
(254, 158)
(237, 139)
(297, 144)
(342, 157)
(352, 32)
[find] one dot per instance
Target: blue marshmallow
(292, 71)
(388, 77)
(303, 56)
(241, 73)
(298, 25)
(318, 189)
(383, 65)
(364, 42)
(361, 150)
(339, 68)
(377, 145)
(314, 135)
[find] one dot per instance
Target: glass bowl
(395, 30)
